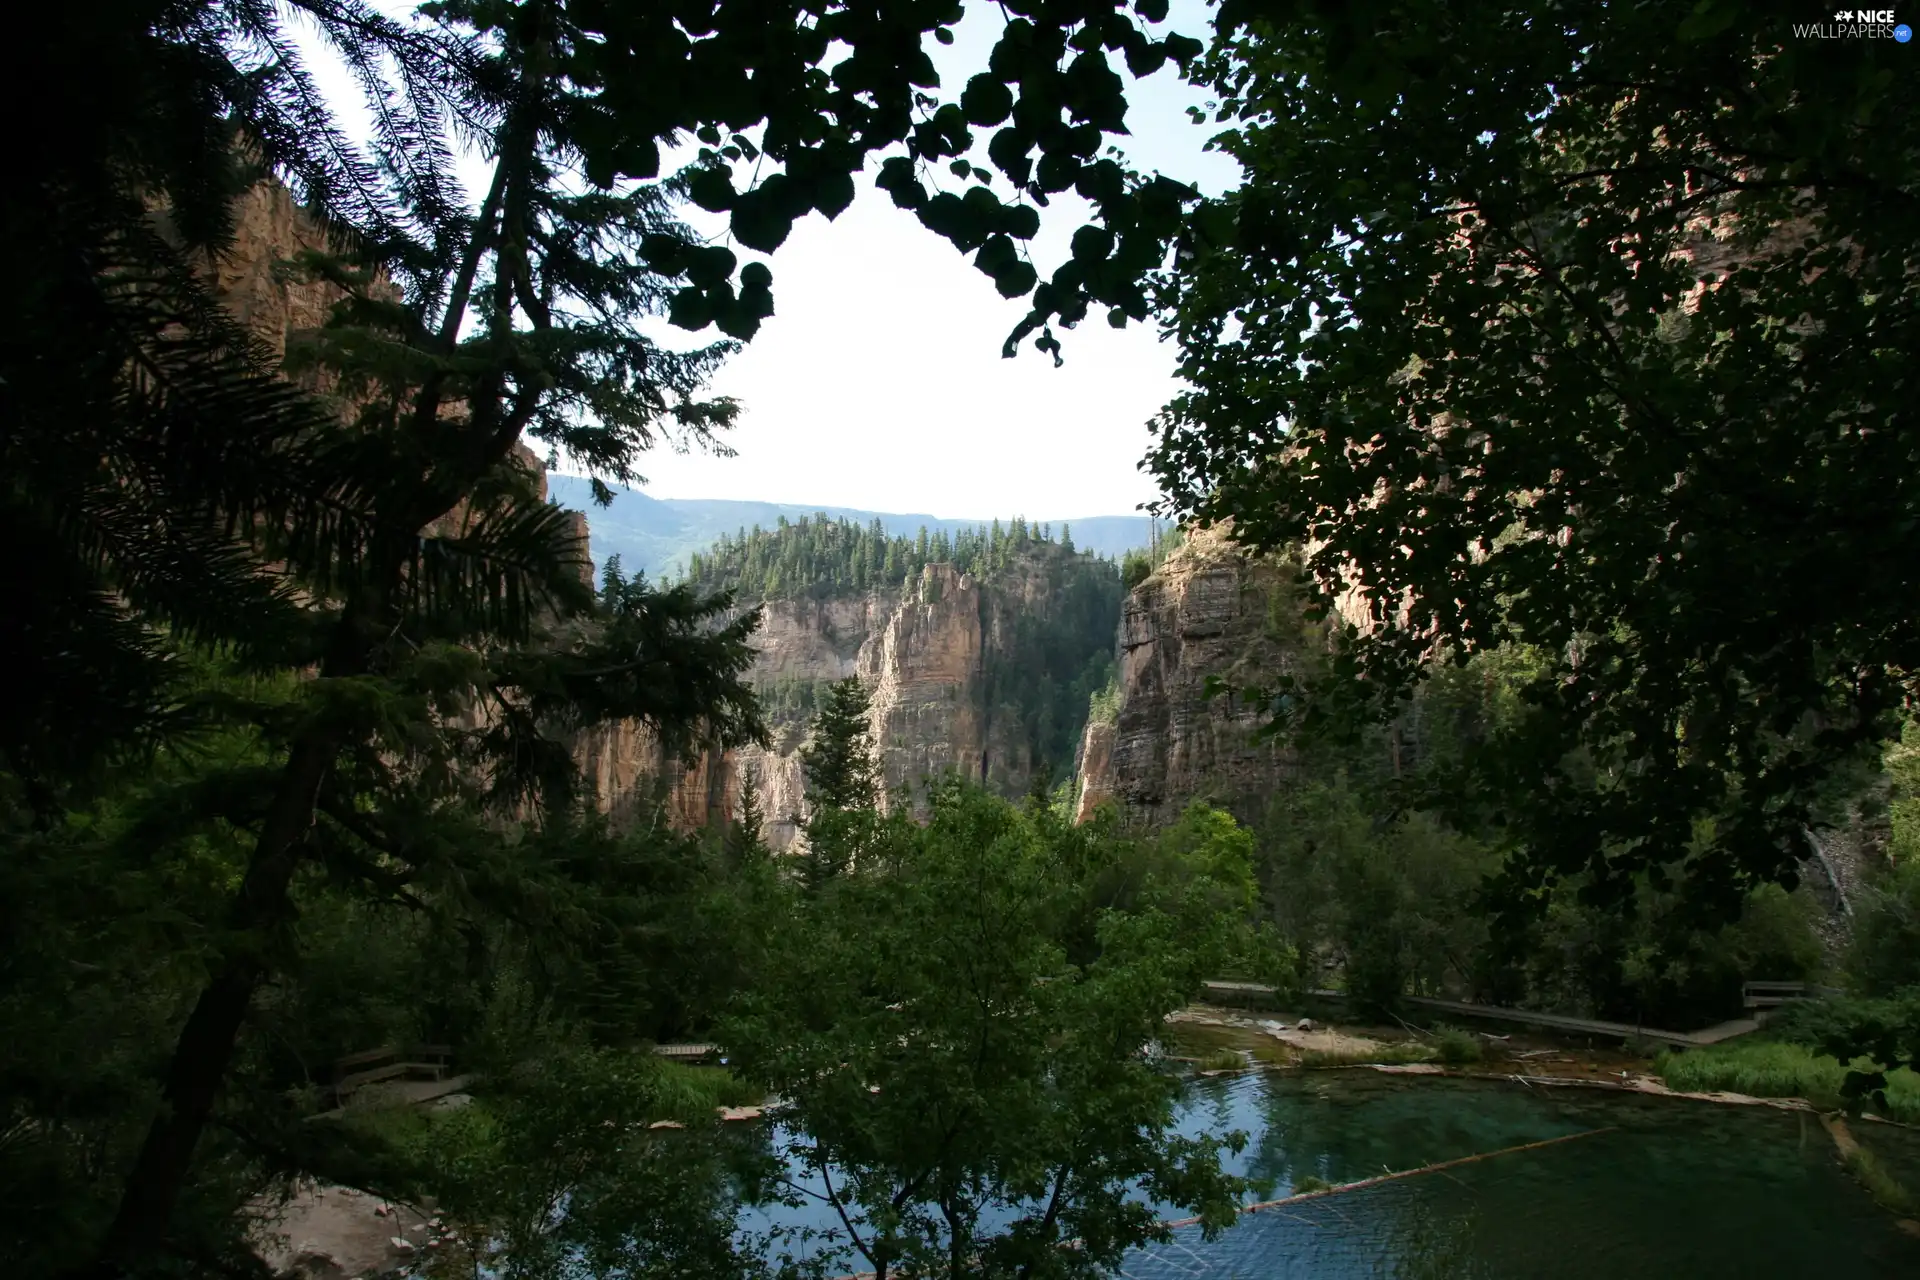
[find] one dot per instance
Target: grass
(1886, 1190)
(1223, 1060)
(1776, 1069)
(1272, 1052)
(1397, 1053)
(1457, 1048)
(697, 1090)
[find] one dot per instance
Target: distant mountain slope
(658, 534)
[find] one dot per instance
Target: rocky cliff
(1209, 610)
(934, 655)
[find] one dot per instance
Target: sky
(878, 382)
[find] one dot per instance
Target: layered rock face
(250, 279)
(923, 652)
(1210, 610)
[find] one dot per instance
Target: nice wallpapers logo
(1856, 24)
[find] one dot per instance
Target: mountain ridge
(657, 535)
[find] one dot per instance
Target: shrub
(1884, 956)
(1457, 1048)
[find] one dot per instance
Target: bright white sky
(879, 383)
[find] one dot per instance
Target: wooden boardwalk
(1528, 1017)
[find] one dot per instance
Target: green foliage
(558, 1176)
(1393, 1053)
(1876, 1038)
(843, 784)
(1386, 901)
(838, 758)
(1883, 955)
(1780, 1069)
(958, 1024)
(1222, 1060)
(1051, 656)
(1887, 1190)
(1457, 1048)
(820, 557)
(1202, 868)
(1655, 962)
(1137, 565)
(1902, 764)
(1104, 706)
(1517, 374)
(746, 835)
(1376, 865)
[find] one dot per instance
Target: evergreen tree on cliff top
(843, 781)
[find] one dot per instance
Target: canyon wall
(1209, 610)
(925, 652)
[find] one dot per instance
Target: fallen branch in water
(1355, 1186)
(1404, 1173)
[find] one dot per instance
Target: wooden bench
(1771, 995)
(390, 1062)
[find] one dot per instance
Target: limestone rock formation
(926, 653)
(1211, 609)
(252, 278)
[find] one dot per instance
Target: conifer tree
(746, 839)
(843, 783)
(838, 758)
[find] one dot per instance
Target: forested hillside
(824, 556)
(1042, 626)
(659, 535)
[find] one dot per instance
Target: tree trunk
(207, 1042)
(212, 1030)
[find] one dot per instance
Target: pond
(1676, 1187)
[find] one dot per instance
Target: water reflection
(1676, 1188)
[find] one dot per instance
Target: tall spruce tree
(411, 527)
(746, 838)
(843, 782)
(838, 757)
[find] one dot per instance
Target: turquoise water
(1678, 1189)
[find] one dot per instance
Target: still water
(1681, 1189)
(1678, 1189)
